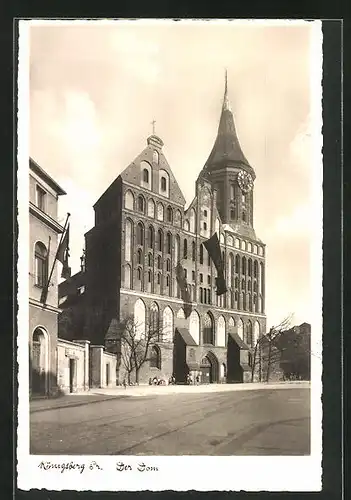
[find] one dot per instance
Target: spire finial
(226, 104)
(153, 123)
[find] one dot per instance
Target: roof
(188, 339)
(241, 344)
(226, 147)
(45, 177)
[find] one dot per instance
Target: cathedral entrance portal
(209, 369)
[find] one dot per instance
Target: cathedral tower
(231, 175)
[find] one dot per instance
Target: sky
(95, 89)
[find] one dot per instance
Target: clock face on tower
(245, 181)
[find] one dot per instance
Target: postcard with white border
(170, 255)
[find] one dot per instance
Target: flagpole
(46, 289)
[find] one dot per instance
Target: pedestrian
(124, 383)
(197, 379)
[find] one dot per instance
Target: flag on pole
(184, 289)
(214, 251)
(63, 254)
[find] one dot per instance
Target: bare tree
(265, 350)
(135, 340)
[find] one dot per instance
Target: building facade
(44, 231)
(142, 235)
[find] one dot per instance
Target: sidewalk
(96, 395)
(148, 390)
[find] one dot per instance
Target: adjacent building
(143, 234)
(44, 232)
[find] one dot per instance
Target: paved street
(274, 421)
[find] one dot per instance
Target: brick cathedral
(143, 233)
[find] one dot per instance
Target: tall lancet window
(128, 240)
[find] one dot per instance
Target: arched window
(168, 265)
(139, 319)
(250, 267)
(149, 277)
(141, 204)
(243, 284)
(158, 278)
(249, 333)
(151, 208)
(139, 274)
(201, 254)
(128, 240)
(186, 225)
(185, 249)
(181, 314)
(159, 262)
(151, 237)
(149, 260)
(243, 245)
(160, 211)
(178, 218)
(230, 269)
(236, 282)
(193, 250)
(176, 249)
(208, 333)
(249, 247)
(255, 249)
(237, 243)
(231, 324)
(250, 302)
(255, 269)
(221, 332)
(243, 265)
(243, 300)
(249, 286)
(155, 357)
(154, 320)
(262, 277)
(194, 326)
(208, 296)
(163, 184)
(169, 243)
(127, 276)
(41, 265)
(155, 157)
(241, 329)
(255, 286)
(169, 214)
(230, 241)
(146, 176)
(237, 264)
(140, 234)
(139, 256)
(201, 295)
(168, 324)
(129, 200)
(159, 240)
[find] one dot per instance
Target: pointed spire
(226, 103)
(226, 148)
